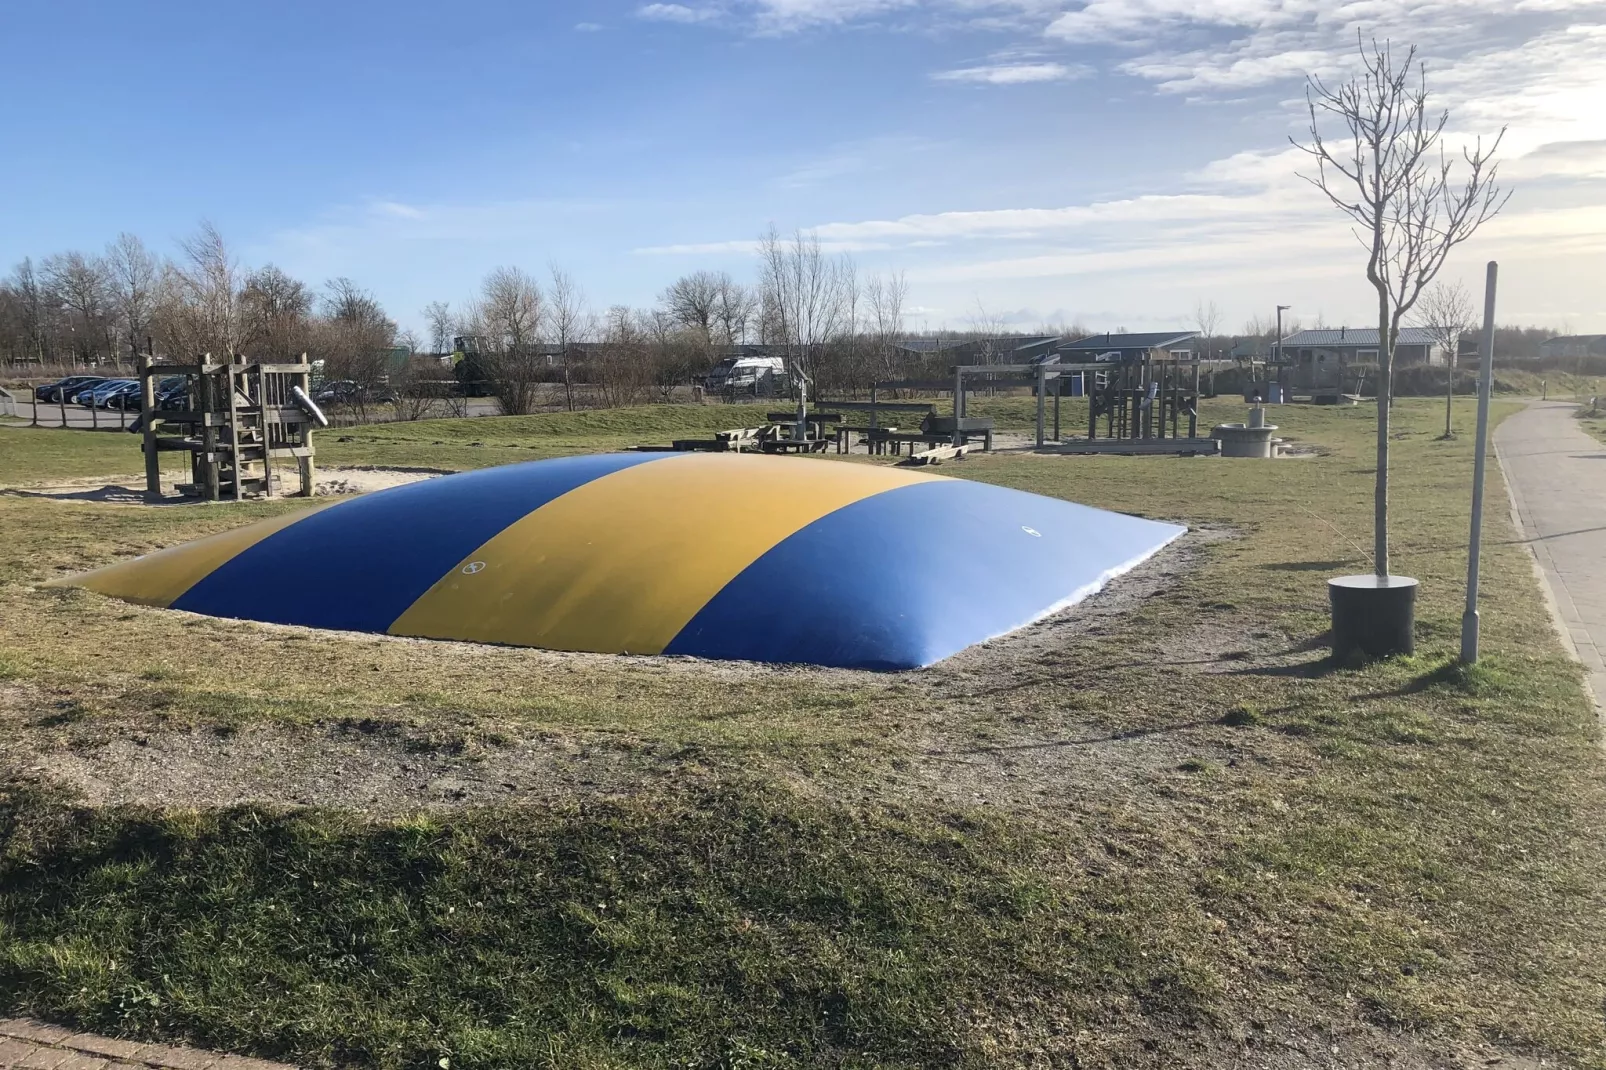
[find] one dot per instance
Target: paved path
(29, 1045)
(1557, 477)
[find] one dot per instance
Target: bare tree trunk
(1449, 399)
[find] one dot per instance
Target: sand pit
(129, 490)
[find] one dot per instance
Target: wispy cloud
(1014, 73)
(397, 210)
(677, 13)
(588, 27)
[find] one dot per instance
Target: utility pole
(1469, 619)
(1279, 343)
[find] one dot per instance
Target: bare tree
(1446, 312)
(356, 340)
(198, 300)
(886, 298)
(677, 351)
(76, 284)
(1207, 317)
(31, 311)
(693, 301)
(1389, 173)
(133, 276)
(438, 315)
(275, 315)
(802, 295)
(988, 326)
(510, 310)
(566, 313)
(734, 307)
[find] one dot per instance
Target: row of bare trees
(832, 325)
(77, 308)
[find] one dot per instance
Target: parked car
(95, 396)
(347, 392)
(172, 395)
(125, 397)
(68, 387)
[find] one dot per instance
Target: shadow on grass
(1300, 670)
(1304, 670)
(1478, 679)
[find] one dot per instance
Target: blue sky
(1108, 161)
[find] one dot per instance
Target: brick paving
(29, 1045)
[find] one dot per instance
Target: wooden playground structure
(1144, 406)
(238, 422)
(807, 430)
(1148, 405)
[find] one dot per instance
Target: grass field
(1166, 832)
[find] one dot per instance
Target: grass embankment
(1159, 841)
(1592, 419)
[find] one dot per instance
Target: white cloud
(397, 210)
(783, 15)
(677, 13)
(1014, 73)
(588, 27)
(707, 248)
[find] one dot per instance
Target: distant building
(1157, 345)
(1573, 345)
(1327, 364)
(1003, 349)
(1358, 345)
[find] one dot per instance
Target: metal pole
(1469, 619)
(1277, 350)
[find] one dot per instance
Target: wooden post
(1042, 385)
(234, 426)
(147, 412)
(1193, 410)
(267, 437)
(959, 401)
(308, 469)
(1058, 390)
(1176, 396)
(209, 405)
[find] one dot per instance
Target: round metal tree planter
(1375, 615)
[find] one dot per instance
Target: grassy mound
(730, 928)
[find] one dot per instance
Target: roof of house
(1359, 337)
(1576, 338)
(1003, 343)
(1152, 340)
(930, 345)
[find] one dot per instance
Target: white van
(746, 373)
